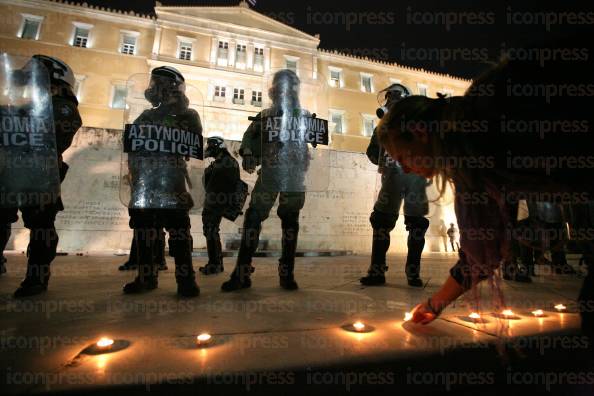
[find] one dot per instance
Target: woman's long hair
(438, 117)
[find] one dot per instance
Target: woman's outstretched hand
(426, 312)
(423, 314)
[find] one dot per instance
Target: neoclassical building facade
(226, 52)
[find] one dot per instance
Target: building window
(368, 125)
(185, 50)
(128, 45)
(118, 98)
(240, 56)
(337, 121)
(220, 93)
(422, 90)
(81, 37)
(238, 96)
(259, 59)
(336, 78)
(367, 83)
(223, 53)
(257, 98)
(292, 63)
(31, 27)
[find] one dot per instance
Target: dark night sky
(414, 33)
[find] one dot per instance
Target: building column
(157, 42)
(266, 59)
(214, 50)
(232, 52)
(250, 57)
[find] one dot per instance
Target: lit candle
(408, 316)
(560, 307)
(203, 339)
(359, 326)
(508, 312)
(538, 312)
(104, 343)
(474, 315)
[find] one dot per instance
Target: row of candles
(105, 344)
(506, 313)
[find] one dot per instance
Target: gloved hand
(249, 164)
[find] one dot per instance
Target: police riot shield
(163, 147)
(294, 133)
(29, 171)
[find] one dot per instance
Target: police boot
(522, 274)
(186, 277)
(128, 266)
(559, 264)
(35, 281)
(41, 252)
(240, 277)
(146, 280)
(187, 286)
(215, 258)
(377, 269)
(184, 271)
(132, 262)
(417, 227)
(286, 264)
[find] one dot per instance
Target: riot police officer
(159, 184)
(546, 222)
(39, 218)
(284, 182)
(396, 186)
(220, 181)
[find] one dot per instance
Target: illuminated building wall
(228, 53)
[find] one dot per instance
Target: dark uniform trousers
(211, 223)
(397, 187)
(148, 225)
(261, 203)
(43, 238)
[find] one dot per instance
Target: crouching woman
(496, 146)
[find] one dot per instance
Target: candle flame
(204, 337)
(105, 342)
(358, 326)
(538, 312)
(560, 307)
(408, 316)
(474, 315)
(508, 312)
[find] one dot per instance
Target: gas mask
(214, 146)
(163, 90)
(393, 94)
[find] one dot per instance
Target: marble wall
(95, 220)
